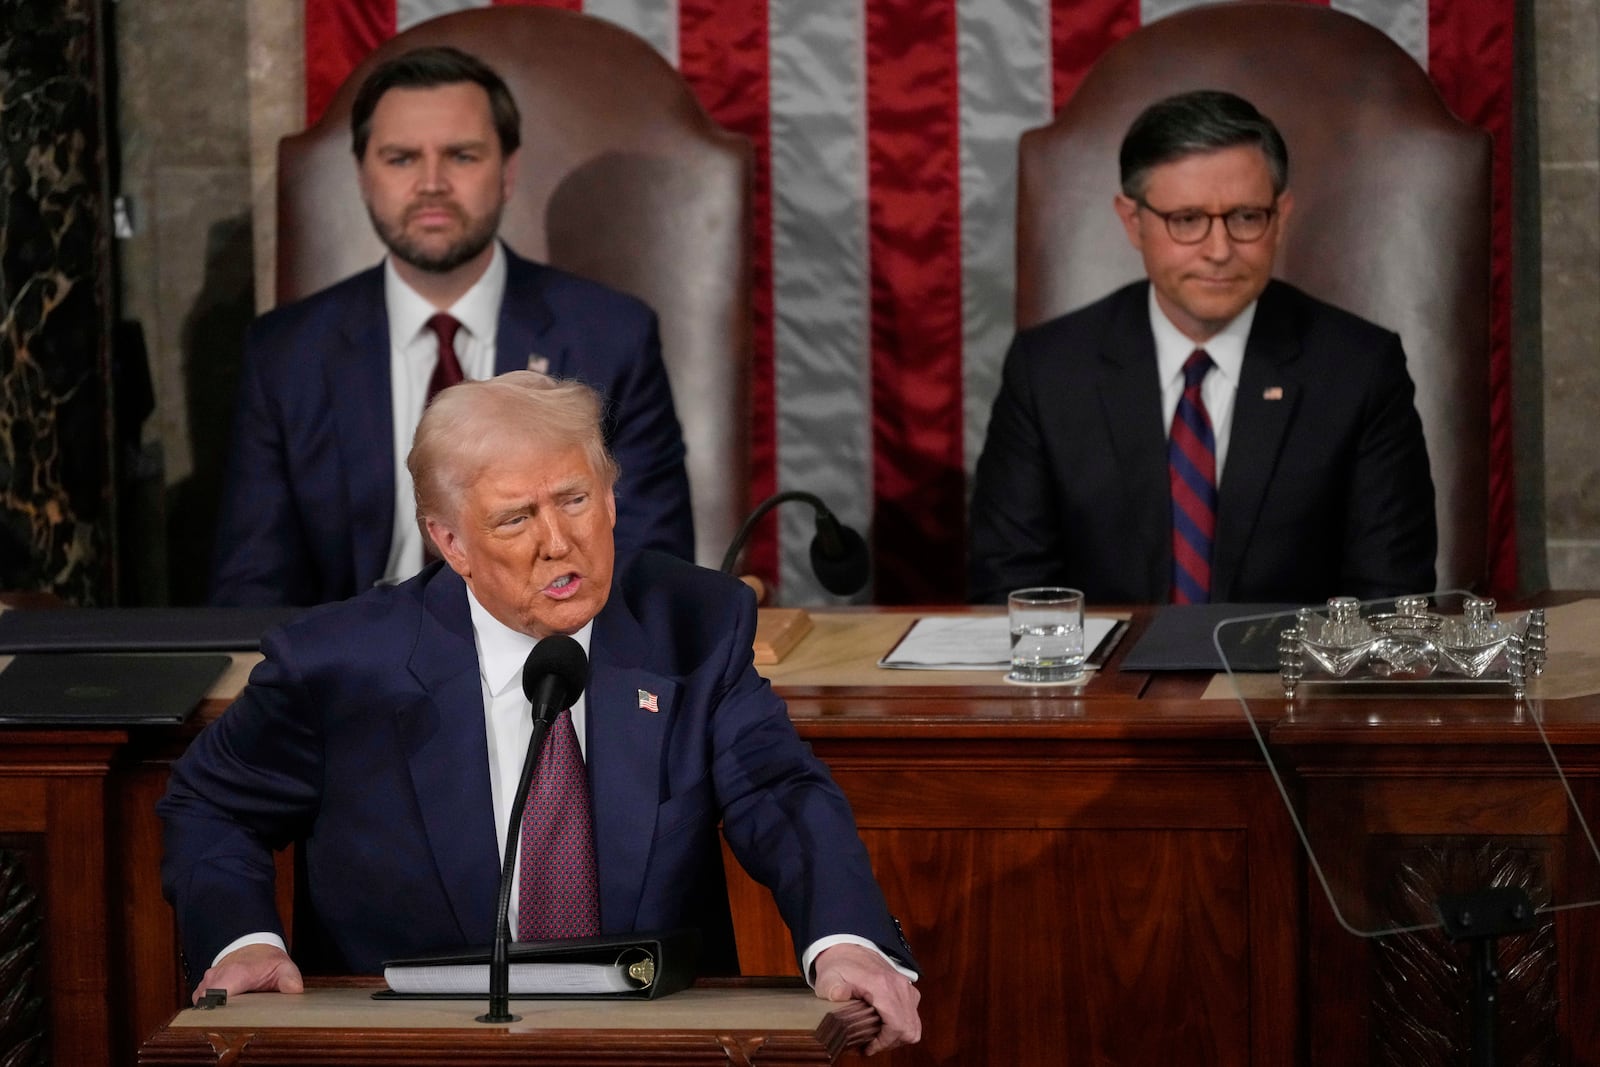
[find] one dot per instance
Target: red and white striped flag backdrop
(885, 135)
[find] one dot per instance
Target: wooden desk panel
(53, 819)
(1107, 876)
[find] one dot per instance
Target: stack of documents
(983, 643)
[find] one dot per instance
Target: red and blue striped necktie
(1192, 471)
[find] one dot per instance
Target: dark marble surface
(55, 483)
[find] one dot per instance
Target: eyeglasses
(1189, 227)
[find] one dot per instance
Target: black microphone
(839, 556)
(552, 679)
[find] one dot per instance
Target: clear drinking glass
(1046, 636)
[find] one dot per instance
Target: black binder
(201, 629)
(652, 964)
(1179, 638)
(94, 689)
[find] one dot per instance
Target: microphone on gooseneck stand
(552, 679)
(839, 556)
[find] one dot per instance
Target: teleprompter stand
(1415, 775)
(1481, 919)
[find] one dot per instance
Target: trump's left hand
(846, 972)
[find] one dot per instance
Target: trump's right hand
(252, 969)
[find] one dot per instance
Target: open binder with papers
(636, 966)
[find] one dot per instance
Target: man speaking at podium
(385, 735)
(1208, 434)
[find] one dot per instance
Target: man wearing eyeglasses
(1208, 434)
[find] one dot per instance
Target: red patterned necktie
(447, 371)
(558, 892)
(1192, 471)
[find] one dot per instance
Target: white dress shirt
(508, 723)
(413, 354)
(1220, 386)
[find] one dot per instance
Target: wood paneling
(1110, 878)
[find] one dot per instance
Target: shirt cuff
(262, 938)
(815, 949)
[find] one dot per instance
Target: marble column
(55, 467)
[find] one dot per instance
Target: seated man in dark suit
(386, 735)
(316, 503)
(1294, 469)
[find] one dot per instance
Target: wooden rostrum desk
(1104, 876)
(336, 1022)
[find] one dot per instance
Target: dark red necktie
(558, 893)
(447, 371)
(1192, 471)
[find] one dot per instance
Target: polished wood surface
(53, 814)
(739, 1021)
(1105, 875)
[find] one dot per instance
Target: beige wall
(1567, 43)
(208, 86)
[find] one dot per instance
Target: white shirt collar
(1226, 349)
(502, 651)
(478, 310)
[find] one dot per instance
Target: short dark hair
(1201, 121)
(429, 68)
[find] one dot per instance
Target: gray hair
(466, 426)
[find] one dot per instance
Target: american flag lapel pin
(538, 364)
(648, 701)
(1272, 392)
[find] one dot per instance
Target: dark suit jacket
(308, 506)
(1325, 491)
(362, 735)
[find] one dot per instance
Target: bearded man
(317, 502)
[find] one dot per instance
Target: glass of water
(1046, 636)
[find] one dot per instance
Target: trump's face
(532, 537)
(434, 177)
(1203, 286)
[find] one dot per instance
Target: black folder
(96, 689)
(1179, 638)
(201, 629)
(651, 964)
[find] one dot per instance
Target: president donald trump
(385, 734)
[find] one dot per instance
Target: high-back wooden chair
(623, 179)
(1391, 217)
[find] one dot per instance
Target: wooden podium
(744, 1021)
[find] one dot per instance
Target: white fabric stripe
(819, 273)
(654, 20)
(407, 13)
(1405, 21)
(1150, 10)
(1003, 53)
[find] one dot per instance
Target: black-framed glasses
(1189, 226)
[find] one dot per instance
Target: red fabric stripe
(1470, 60)
(722, 53)
(913, 154)
(1194, 449)
(1198, 511)
(339, 34)
(1080, 30)
(1194, 564)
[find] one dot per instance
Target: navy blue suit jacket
(307, 512)
(361, 735)
(1325, 492)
